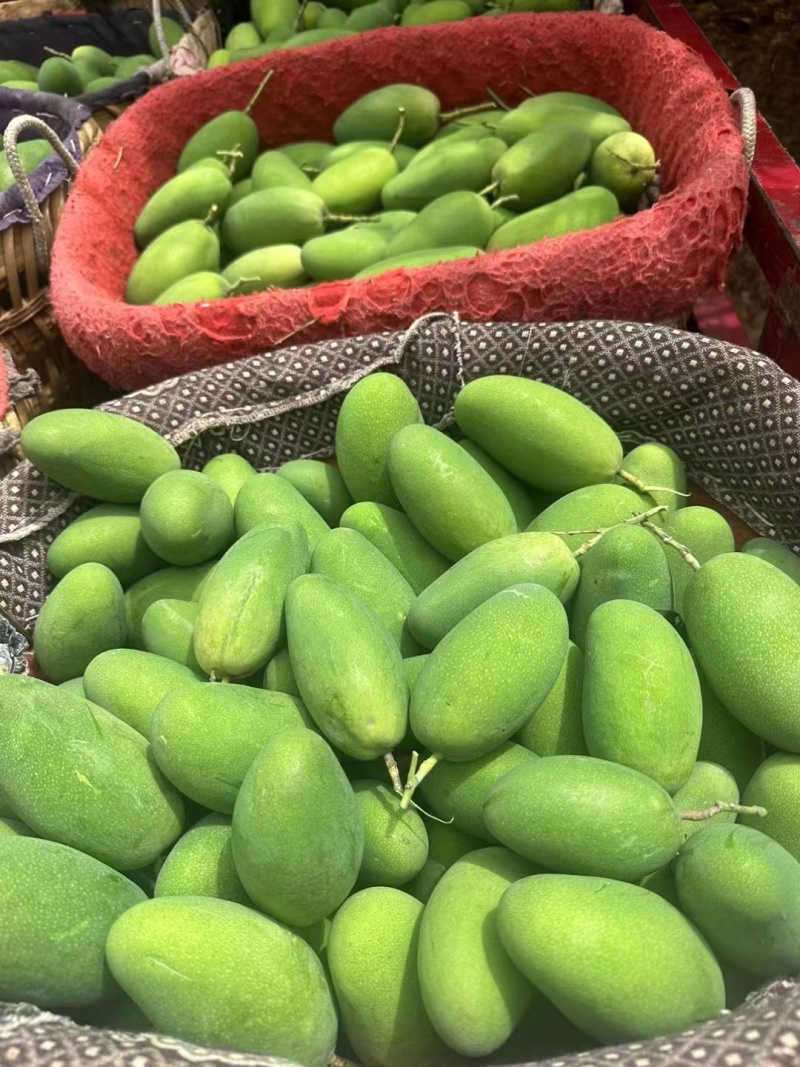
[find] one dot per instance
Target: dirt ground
(760, 42)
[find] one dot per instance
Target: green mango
(490, 673)
(98, 790)
(624, 163)
(446, 845)
(273, 217)
(644, 972)
(221, 57)
(458, 791)
(311, 14)
(344, 253)
(318, 36)
(229, 132)
(110, 534)
(274, 169)
(130, 65)
(353, 186)
(190, 195)
(82, 617)
(231, 471)
(240, 623)
(321, 484)
(708, 784)
(642, 705)
(173, 33)
(275, 267)
(347, 557)
(517, 494)
(372, 412)
(447, 167)
(187, 518)
(662, 882)
(372, 954)
(269, 498)
(740, 614)
(585, 209)
(433, 11)
(569, 99)
(183, 249)
(282, 33)
(594, 507)
(311, 154)
(195, 288)
(56, 908)
(472, 992)
(279, 676)
(448, 496)
(534, 116)
(657, 465)
(201, 864)
(778, 555)
(776, 787)
(130, 684)
(170, 583)
(724, 740)
(369, 17)
(543, 166)
(629, 563)
(168, 631)
(458, 218)
(393, 534)
(428, 258)
(392, 222)
(374, 116)
(205, 737)
(514, 6)
(31, 154)
(59, 76)
(706, 533)
(395, 840)
(332, 18)
(295, 806)
(243, 35)
(15, 70)
(579, 815)
(556, 727)
(98, 453)
(481, 122)
(96, 85)
(14, 828)
(716, 872)
(402, 153)
(268, 988)
(240, 191)
(541, 434)
(268, 15)
(348, 667)
(28, 87)
(541, 559)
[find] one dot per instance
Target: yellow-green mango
(321, 484)
(777, 554)
(200, 864)
(708, 784)
(231, 471)
(534, 116)
(518, 495)
(657, 465)
(706, 534)
(393, 534)
(395, 840)
(725, 741)
(230, 132)
(556, 727)
(186, 248)
(624, 163)
(190, 195)
(168, 631)
(374, 116)
(543, 166)
(584, 209)
(446, 845)
(170, 583)
(279, 676)
(130, 684)
(274, 169)
(353, 186)
(186, 518)
(775, 786)
(450, 165)
(110, 534)
(271, 498)
(594, 507)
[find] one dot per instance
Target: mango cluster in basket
(463, 782)
(278, 24)
(406, 185)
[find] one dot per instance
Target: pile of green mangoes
(86, 70)
(475, 745)
(405, 185)
(277, 24)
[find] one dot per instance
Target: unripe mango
(170, 583)
(393, 534)
(130, 684)
(556, 727)
(657, 464)
(186, 518)
(279, 676)
(232, 131)
(594, 507)
(177, 955)
(201, 864)
(725, 741)
(395, 840)
(374, 116)
(270, 498)
(190, 195)
(518, 495)
(231, 471)
(110, 534)
(446, 845)
(183, 249)
(706, 534)
(778, 555)
(321, 485)
(168, 631)
(776, 787)
(707, 785)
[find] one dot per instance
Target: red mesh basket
(647, 268)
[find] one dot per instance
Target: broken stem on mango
(667, 539)
(720, 807)
(598, 535)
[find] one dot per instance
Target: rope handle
(745, 99)
(41, 230)
(158, 23)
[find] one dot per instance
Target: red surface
(648, 268)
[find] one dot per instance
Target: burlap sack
(730, 413)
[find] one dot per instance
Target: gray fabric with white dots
(730, 413)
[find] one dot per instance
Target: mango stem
(350, 218)
(416, 773)
(212, 214)
(55, 52)
(598, 535)
(496, 99)
(398, 133)
(636, 167)
(340, 1061)
(666, 539)
(459, 112)
(300, 12)
(229, 157)
(505, 200)
(259, 91)
(640, 485)
(718, 808)
(394, 773)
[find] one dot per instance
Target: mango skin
(187, 248)
(707, 784)
(200, 864)
(742, 891)
(298, 839)
(458, 791)
(130, 684)
(446, 845)
(374, 410)
(592, 508)
(373, 116)
(556, 727)
(186, 518)
(706, 533)
(642, 704)
(110, 534)
(96, 789)
(395, 841)
(516, 493)
(775, 553)
(393, 534)
(725, 741)
(776, 787)
(168, 631)
(98, 453)
(473, 993)
(231, 471)
(56, 908)
(224, 133)
(578, 815)
(372, 954)
(322, 486)
(205, 737)
(741, 617)
(490, 673)
(268, 988)
(279, 676)
(82, 617)
(270, 498)
(541, 559)
(347, 666)
(186, 196)
(169, 583)
(657, 464)
(645, 971)
(542, 435)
